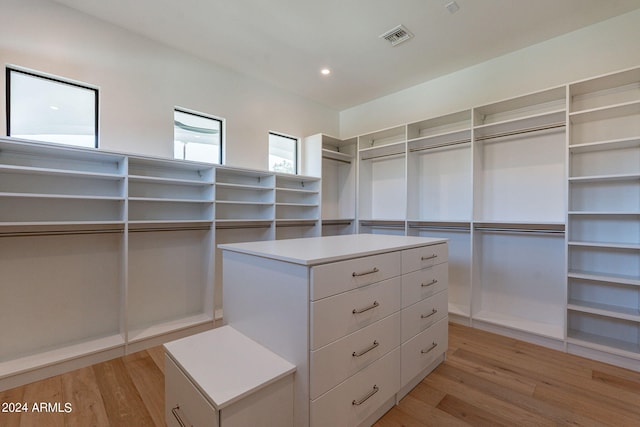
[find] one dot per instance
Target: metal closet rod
(336, 160)
(383, 155)
(337, 222)
(521, 131)
(151, 229)
(520, 230)
(441, 145)
(241, 226)
(59, 232)
(311, 223)
(441, 227)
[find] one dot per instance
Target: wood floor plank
(471, 414)
(11, 418)
(40, 395)
(455, 382)
(542, 410)
(429, 415)
(80, 388)
(149, 381)
(123, 403)
(157, 354)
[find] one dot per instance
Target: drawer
(424, 256)
(184, 400)
(355, 399)
(421, 315)
(337, 277)
(423, 349)
(333, 363)
(424, 283)
(340, 315)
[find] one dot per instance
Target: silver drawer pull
(366, 350)
(362, 310)
(374, 270)
(433, 282)
(428, 350)
(365, 398)
(174, 411)
(426, 316)
(426, 258)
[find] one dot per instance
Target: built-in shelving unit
(103, 254)
(62, 232)
(335, 161)
(297, 206)
(603, 296)
(382, 198)
(519, 214)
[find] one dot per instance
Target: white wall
(605, 47)
(141, 81)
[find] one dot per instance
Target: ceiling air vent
(397, 35)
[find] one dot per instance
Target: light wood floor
(486, 380)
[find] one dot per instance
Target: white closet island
(363, 317)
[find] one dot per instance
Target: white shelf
(625, 313)
(613, 278)
(59, 196)
(606, 112)
(168, 200)
(605, 213)
(27, 170)
(542, 121)
(163, 180)
(604, 344)
(610, 245)
(58, 355)
(169, 326)
(604, 178)
(243, 186)
(550, 330)
(381, 151)
(612, 144)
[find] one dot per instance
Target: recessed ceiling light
(325, 71)
(53, 107)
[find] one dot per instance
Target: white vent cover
(397, 35)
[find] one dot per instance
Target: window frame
(204, 116)
(296, 163)
(9, 69)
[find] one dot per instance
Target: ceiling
(287, 42)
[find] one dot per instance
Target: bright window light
(49, 109)
(283, 153)
(197, 137)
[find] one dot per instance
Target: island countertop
(321, 250)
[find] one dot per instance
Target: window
(197, 137)
(49, 109)
(283, 153)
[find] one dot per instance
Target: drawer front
(355, 399)
(184, 400)
(332, 364)
(423, 349)
(340, 315)
(337, 277)
(423, 257)
(424, 283)
(423, 314)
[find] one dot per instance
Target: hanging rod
(520, 230)
(337, 222)
(521, 131)
(443, 144)
(150, 229)
(336, 160)
(240, 226)
(440, 228)
(59, 232)
(382, 155)
(311, 223)
(382, 225)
